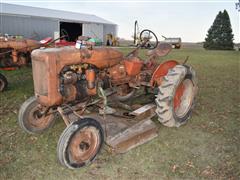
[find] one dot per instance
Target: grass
(207, 147)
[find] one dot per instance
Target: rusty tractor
(15, 53)
(91, 89)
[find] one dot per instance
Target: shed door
(72, 30)
(93, 30)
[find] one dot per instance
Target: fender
(161, 71)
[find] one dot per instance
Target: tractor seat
(161, 50)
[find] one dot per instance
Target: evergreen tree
(220, 35)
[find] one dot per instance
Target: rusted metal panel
(123, 134)
(134, 136)
(146, 111)
(56, 58)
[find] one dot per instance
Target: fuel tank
(48, 63)
(68, 55)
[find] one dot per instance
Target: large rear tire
(175, 99)
(30, 118)
(80, 143)
(3, 83)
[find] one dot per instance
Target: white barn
(38, 23)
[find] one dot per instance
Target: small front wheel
(3, 82)
(31, 119)
(80, 143)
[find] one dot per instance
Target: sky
(188, 19)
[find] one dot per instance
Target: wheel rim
(37, 120)
(84, 145)
(183, 98)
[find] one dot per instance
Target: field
(207, 147)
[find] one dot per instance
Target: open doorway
(72, 30)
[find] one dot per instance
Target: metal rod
(65, 119)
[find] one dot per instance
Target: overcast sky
(189, 20)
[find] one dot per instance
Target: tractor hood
(99, 57)
(47, 64)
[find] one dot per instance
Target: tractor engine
(66, 74)
(78, 82)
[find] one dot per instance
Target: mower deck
(123, 133)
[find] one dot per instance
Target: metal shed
(38, 23)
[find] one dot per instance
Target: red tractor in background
(16, 52)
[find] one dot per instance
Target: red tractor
(87, 87)
(15, 53)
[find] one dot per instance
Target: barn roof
(14, 9)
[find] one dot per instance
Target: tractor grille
(40, 77)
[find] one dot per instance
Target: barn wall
(39, 27)
(109, 29)
(30, 27)
(93, 30)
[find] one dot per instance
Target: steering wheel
(148, 39)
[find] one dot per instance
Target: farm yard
(207, 147)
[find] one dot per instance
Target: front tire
(175, 99)
(80, 143)
(30, 119)
(3, 83)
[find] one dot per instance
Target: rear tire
(80, 143)
(30, 119)
(3, 83)
(175, 99)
